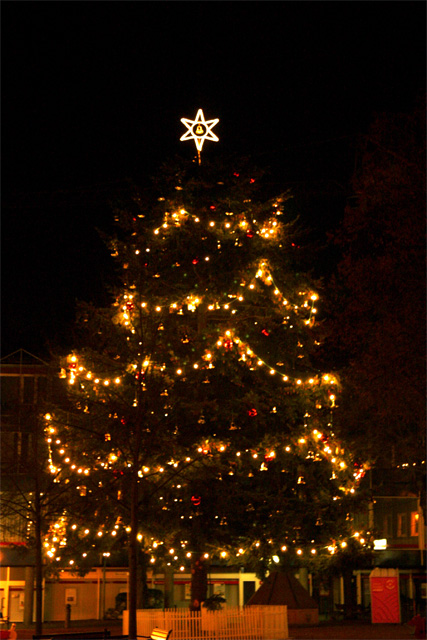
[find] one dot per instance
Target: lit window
(415, 518)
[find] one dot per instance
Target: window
(415, 517)
(388, 526)
(9, 392)
(29, 390)
(402, 525)
(15, 451)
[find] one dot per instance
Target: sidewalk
(324, 631)
(352, 630)
(114, 626)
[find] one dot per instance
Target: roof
(283, 588)
(21, 357)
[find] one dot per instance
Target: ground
(324, 631)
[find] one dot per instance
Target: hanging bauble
(252, 412)
(196, 500)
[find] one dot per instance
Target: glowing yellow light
(199, 130)
(299, 552)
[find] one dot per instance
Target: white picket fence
(231, 623)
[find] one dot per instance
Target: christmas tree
(200, 426)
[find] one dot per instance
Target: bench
(158, 634)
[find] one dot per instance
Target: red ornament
(236, 174)
(252, 412)
(265, 332)
(250, 234)
(252, 180)
(195, 261)
(228, 344)
(196, 500)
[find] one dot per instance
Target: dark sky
(93, 93)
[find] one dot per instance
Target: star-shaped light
(199, 130)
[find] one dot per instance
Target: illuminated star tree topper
(199, 130)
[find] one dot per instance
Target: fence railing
(231, 623)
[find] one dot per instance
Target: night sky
(93, 93)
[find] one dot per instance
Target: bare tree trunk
(29, 596)
(39, 560)
(142, 589)
(168, 592)
(199, 583)
(133, 554)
